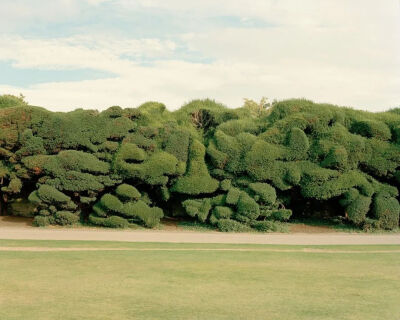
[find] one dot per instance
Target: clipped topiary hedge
(238, 169)
(228, 225)
(109, 222)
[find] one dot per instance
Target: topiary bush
(298, 144)
(267, 226)
(51, 195)
(197, 179)
(371, 129)
(141, 212)
(232, 196)
(22, 208)
(129, 205)
(109, 222)
(337, 158)
(204, 161)
(177, 144)
(386, 209)
(127, 192)
(221, 212)
(226, 184)
(111, 203)
(247, 208)
(41, 221)
(265, 192)
(357, 210)
(229, 225)
(198, 208)
(281, 214)
(66, 218)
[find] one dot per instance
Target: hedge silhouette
(236, 169)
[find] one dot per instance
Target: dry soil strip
(18, 233)
(302, 250)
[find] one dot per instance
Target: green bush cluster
(197, 179)
(197, 208)
(53, 207)
(386, 210)
(125, 207)
(233, 168)
(229, 225)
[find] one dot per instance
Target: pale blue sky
(64, 54)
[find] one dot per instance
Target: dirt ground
(19, 228)
(11, 221)
(168, 224)
(305, 228)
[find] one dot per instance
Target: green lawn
(157, 281)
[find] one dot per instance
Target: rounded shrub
(228, 225)
(281, 214)
(154, 170)
(197, 179)
(358, 209)
(293, 175)
(218, 158)
(99, 210)
(8, 100)
(213, 220)
(110, 222)
(298, 144)
(113, 112)
(336, 158)
(127, 192)
(386, 210)
(247, 208)
(51, 195)
(66, 218)
(41, 221)
(14, 186)
(45, 212)
(130, 153)
(371, 129)
(218, 200)
(232, 196)
(119, 128)
(265, 191)
(265, 226)
(111, 203)
(198, 208)
(22, 208)
(221, 212)
(149, 216)
(225, 184)
(178, 145)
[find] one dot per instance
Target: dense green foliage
(237, 169)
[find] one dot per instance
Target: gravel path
(7, 232)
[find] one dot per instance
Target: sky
(68, 54)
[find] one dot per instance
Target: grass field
(193, 281)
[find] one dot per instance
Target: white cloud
(14, 13)
(282, 12)
(97, 2)
(175, 82)
(341, 52)
(80, 52)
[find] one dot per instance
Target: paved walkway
(7, 232)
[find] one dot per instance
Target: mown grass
(358, 282)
